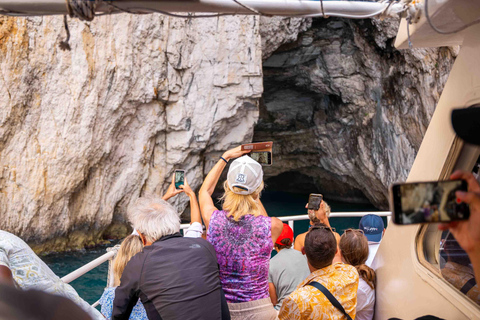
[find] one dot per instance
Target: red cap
(287, 233)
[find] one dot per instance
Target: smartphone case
(260, 146)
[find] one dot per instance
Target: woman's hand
(171, 191)
(320, 213)
(235, 153)
(467, 233)
(186, 188)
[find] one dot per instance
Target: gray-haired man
(175, 277)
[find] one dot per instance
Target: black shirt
(175, 278)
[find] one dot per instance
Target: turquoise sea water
(91, 285)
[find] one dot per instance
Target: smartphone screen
(179, 178)
(428, 202)
(314, 201)
(262, 157)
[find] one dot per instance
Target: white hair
(154, 218)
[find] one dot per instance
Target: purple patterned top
(243, 252)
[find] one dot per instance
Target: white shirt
(365, 301)
(194, 231)
(372, 251)
(30, 272)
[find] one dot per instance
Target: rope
(409, 21)
(323, 12)
(247, 7)
(427, 15)
(64, 45)
(82, 9)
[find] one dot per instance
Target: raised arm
(207, 207)
(321, 214)
(171, 191)
(194, 208)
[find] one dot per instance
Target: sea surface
(91, 285)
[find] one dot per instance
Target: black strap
(330, 297)
(468, 286)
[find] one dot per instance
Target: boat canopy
(88, 9)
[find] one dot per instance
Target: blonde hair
(238, 205)
(311, 213)
(130, 246)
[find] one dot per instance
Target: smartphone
(262, 157)
(262, 146)
(428, 202)
(314, 201)
(179, 178)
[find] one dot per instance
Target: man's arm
(6, 276)
(289, 310)
(128, 292)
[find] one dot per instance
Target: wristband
(224, 160)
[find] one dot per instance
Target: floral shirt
(106, 301)
(30, 272)
(307, 302)
(243, 252)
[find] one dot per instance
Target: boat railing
(112, 251)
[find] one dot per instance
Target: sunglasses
(354, 230)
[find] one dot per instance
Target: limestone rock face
(347, 111)
(84, 133)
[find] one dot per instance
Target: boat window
(443, 253)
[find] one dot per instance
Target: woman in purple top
(242, 235)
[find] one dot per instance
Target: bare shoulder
(299, 241)
(277, 224)
(301, 236)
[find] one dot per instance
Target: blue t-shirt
(106, 301)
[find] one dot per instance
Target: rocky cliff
(346, 110)
(85, 132)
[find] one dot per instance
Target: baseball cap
(466, 123)
(287, 233)
(246, 174)
(372, 226)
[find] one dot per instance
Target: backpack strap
(330, 297)
(468, 286)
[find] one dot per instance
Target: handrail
(290, 219)
(332, 215)
(88, 267)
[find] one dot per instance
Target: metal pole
(350, 9)
(89, 266)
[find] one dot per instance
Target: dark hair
(286, 243)
(320, 246)
(354, 248)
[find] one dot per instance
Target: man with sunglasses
(330, 291)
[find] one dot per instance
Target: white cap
(246, 174)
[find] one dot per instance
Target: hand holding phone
(428, 202)
(179, 179)
(314, 201)
(260, 152)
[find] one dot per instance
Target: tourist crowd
(224, 273)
